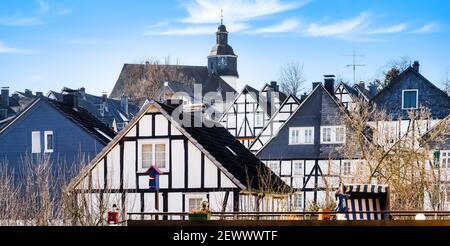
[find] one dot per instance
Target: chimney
(104, 97)
(416, 66)
(275, 86)
(39, 94)
(82, 92)
(3, 113)
(373, 90)
(28, 93)
(362, 85)
(5, 97)
(303, 97)
(329, 83)
(315, 84)
(70, 98)
(124, 104)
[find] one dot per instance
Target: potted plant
(201, 214)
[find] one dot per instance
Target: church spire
(221, 16)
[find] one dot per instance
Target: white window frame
(36, 142)
(301, 135)
(344, 169)
(333, 134)
(295, 201)
(47, 133)
(101, 109)
(259, 119)
(153, 142)
(193, 196)
(417, 98)
(447, 159)
(276, 170)
(294, 173)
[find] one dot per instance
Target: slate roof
(114, 112)
(430, 96)
(131, 74)
(242, 164)
(239, 162)
(79, 116)
(320, 108)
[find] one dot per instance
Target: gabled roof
(90, 102)
(317, 89)
(363, 91)
(351, 90)
(79, 116)
(438, 102)
(228, 154)
(247, 89)
(274, 116)
(399, 79)
(133, 75)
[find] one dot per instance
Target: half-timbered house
(286, 109)
(197, 162)
(250, 111)
(349, 95)
(306, 151)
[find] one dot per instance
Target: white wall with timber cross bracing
(245, 118)
(188, 173)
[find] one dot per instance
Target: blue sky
(48, 44)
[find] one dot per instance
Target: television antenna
(355, 64)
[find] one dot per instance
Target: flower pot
(199, 217)
(326, 215)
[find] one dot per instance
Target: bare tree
(446, 85)
(292, 78)
(146, 80)
(392, 69)
(395, 155)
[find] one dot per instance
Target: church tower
(222, 60)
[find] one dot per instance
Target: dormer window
(410, 99)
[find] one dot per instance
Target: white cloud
(431, 27)
(196, 30)
(340, 28)
(285, 26)
(44, 7)
(64, 11)
(390, 29)
(4, 49)
(20, 21)
(208, 11)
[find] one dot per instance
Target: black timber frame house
(286, 109)
(197, 163)
(306, 150)
(250, 111)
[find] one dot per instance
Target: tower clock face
(222, 62)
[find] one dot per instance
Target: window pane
(340, 134)
(326, 135)
(36, 142)
(147, 155)
(410, 99)
(160, 155)
(50, 142)
(298, 168)
(195, 204)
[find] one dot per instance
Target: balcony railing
(382, 215)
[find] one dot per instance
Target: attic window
(234, 153)
(409, 99)
(103, 134)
